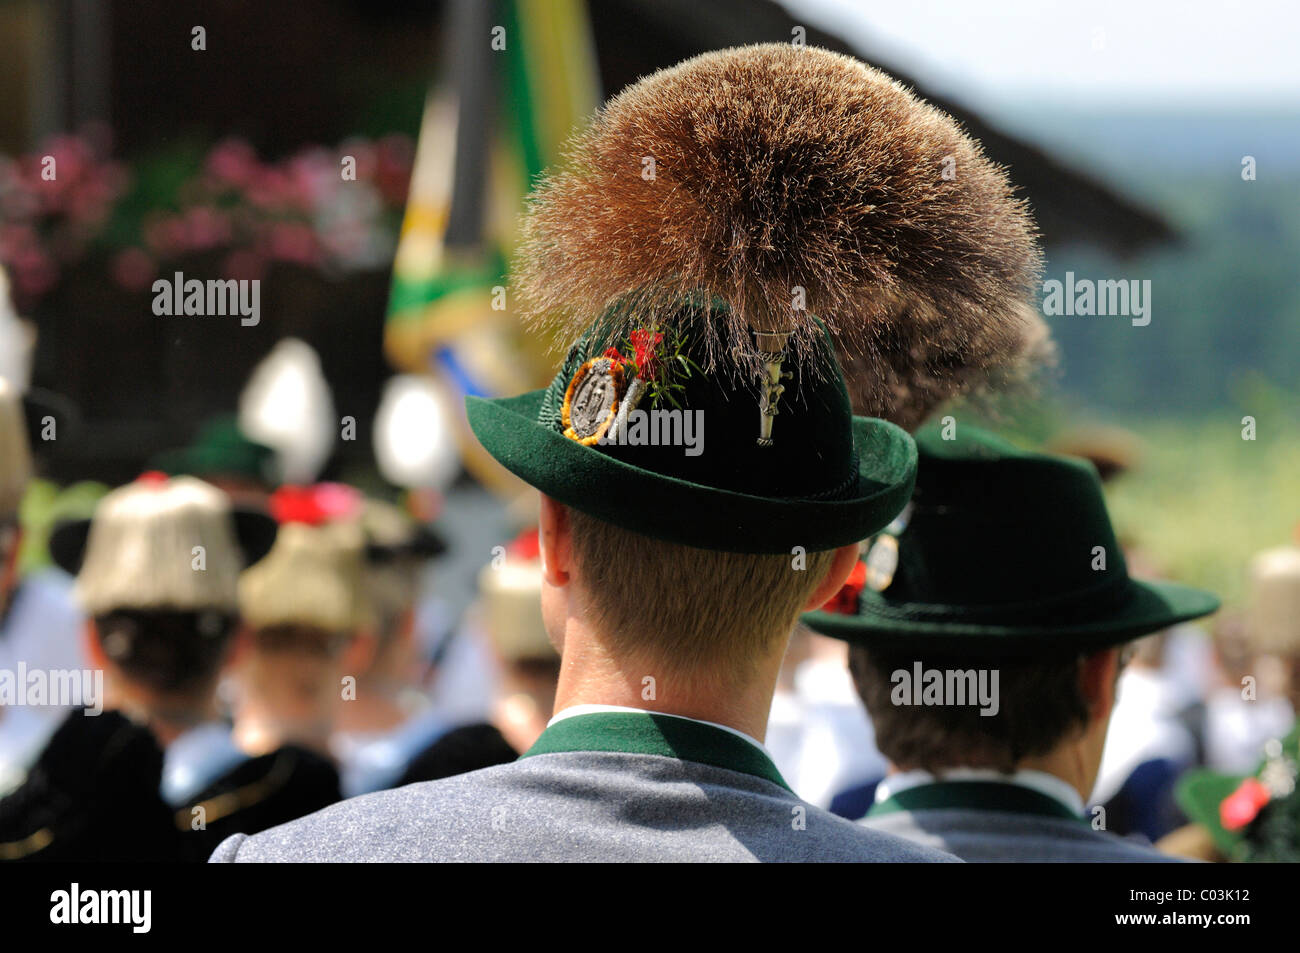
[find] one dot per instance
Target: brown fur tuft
(778, 167)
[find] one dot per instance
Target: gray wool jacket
(647, 797)
(995, 823)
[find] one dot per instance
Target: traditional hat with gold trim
(1001, 551)
(314, 574)
(161, 544)
(722, 236)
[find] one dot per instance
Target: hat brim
(1147, 607)
(693, 514)
(254, 533)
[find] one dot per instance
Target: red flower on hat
(613, 355)
(845, 601)
(1244, 804)
(314, 505)
(644, 343)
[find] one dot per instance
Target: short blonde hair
(699, 613)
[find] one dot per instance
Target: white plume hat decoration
(415, 435)
(287, 405)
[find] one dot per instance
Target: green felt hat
(821, 479)
(220, 449)
(1002, 551)
(1267, 829)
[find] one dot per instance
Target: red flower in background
(1244, 804)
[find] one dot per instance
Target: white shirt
(1040, 781)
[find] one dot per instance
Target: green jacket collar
(671, 736)
(974, 796)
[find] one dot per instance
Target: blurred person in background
(818, 732)
(223, 455)
(1154, 736)
(1244, 806)
(309, 623)
(22, 734)
(1273, 619)
(509, 616)
(40, 624)
(1249, 705)
(157, 568)
(985, 641)
(391, 719)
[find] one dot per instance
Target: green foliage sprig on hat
(658, 358)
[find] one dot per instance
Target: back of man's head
(1041, 703)
(171, 653)
(690, 611)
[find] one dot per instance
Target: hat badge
(591, 402)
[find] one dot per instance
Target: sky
(1218, 55)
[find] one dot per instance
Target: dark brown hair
(1040, 701)
(164, 650)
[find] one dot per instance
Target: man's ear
(556, 539)
(1098, 677)
(845, 558)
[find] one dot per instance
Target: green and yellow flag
(519, 76)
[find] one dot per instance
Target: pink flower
(270, 189)
(133, 269)
(205, 228)
(34, 273)
(233, 162)
(243, 264)
(293, 242)
(15, 239)
(166, 235)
